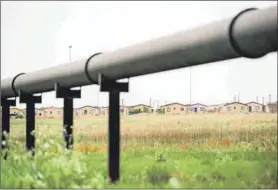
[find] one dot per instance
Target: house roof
(198, 104)
(235, 103)
(218, 105)
(50, 107)
(88, 106)
(254, 103)
(140, 105)
(173, 103)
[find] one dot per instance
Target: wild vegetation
(157, 151)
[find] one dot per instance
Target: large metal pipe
(252, 33)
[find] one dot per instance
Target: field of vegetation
(157, 151)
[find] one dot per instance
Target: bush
(160, 111)
(134, 111)
(158, 175)
(19, 117)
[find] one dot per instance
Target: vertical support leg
(5, 103)
(114, 136)
(30, 102)
(30, 126)
(68, 95)
(5, 124)
(68, 121)
(114, 88)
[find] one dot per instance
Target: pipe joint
(86, 68)
(13, 81)
(233, 42)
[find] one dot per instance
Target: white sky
(36, 35)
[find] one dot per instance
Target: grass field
(193, 151)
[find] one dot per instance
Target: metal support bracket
(30, 100)
(114, 88)
(68, 95)
(5, 104)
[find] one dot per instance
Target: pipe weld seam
(233, 42)
(13, 81)
(86, 68)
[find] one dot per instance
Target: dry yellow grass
(206, 130)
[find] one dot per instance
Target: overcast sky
(36, 35)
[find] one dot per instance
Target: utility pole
(190, 83)
(98, 98)
(257, 99)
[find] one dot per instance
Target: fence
(251, 34)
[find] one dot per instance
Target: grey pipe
(254, 33)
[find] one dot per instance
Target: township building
(271, 107)
(86, 111)
(124, 110)
(215, 108)
(141, 108)
(197, 108)
(175, 108)
(49, 112)
(255, 107)
(235, 107)
(16, 111)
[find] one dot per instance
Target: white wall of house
(197, 108)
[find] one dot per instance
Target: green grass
(157, 152)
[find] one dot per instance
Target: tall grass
(202, 151)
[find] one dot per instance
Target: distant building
(236, 107)
(14, 112)
(215, 108)
(271, 107)
(255, 107)
(141, 108)
(104, 110)
(174, 108)
(197, 108)
(39, 112)
(50, 112)
(87, 111)
(124, 110)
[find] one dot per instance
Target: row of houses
(85, 111)
(173, 108)
(233, 107)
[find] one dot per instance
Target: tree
(146, 109)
